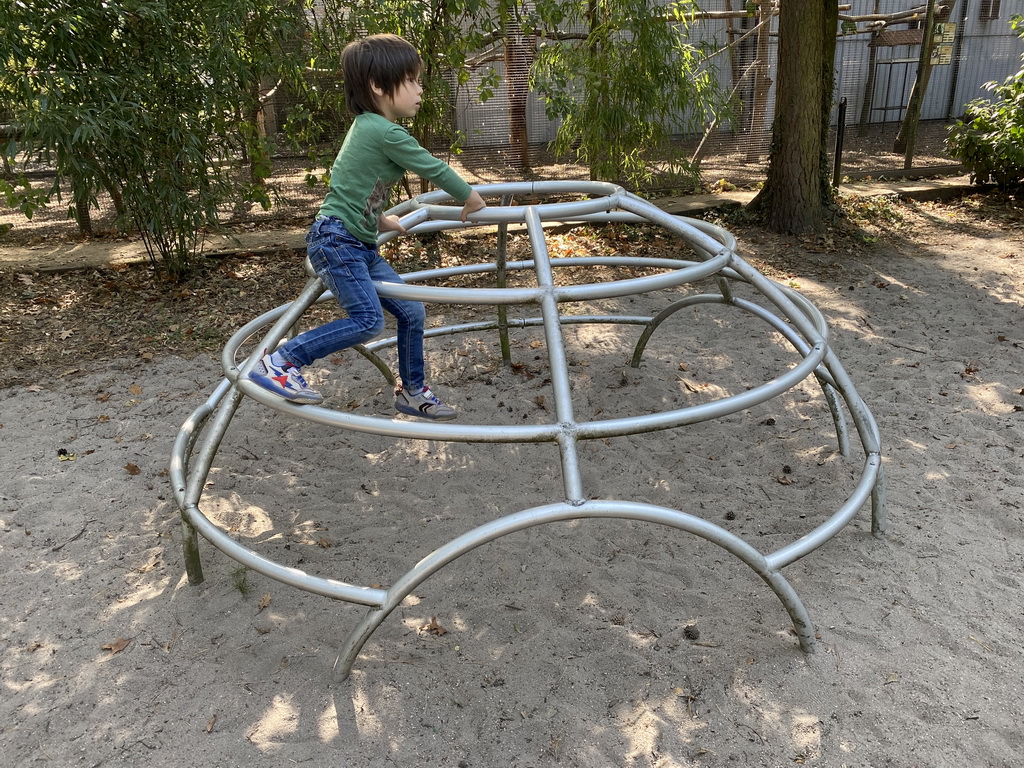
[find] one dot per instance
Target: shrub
(155, 102)
(989, 140)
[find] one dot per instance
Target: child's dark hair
(385, 61)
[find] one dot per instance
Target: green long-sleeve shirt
(373, 157)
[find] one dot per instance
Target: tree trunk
(796, 196)
(830, 22)
(593, 10)
(907, 137)
(517, 71)
(115, 197)
(82, 214)
(258, 162)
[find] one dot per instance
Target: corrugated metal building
(876, 65)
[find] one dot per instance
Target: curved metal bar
(862, 418)
(821, 373)
(793, 316)
(758, 311)
(199, 469)
(546, 188)
(658, 319)
(410, 430)
(815, 538)
(186, 438)
(697, 236)
(834, 407)
(682, 272)
(870, 437)
(688, 228)
(518, 213)
(520, 322)
(800, 312)
(564, 261)
(410, 221)
(605, 197)
(541, 432)
(187, 489)
(293, 577)
(552, 513)
(695, 414)
(184, 442)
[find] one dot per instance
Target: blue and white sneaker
(283, 379)
(424, 405)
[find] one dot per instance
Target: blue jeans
(349, 268)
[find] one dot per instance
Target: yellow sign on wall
(942, 54)
(942, 38)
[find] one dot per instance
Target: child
(382, 86)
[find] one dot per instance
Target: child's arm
(391, 223)
(473, 204)
(407, 153)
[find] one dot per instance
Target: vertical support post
(190, 552)
(501, 277)
(879, 506)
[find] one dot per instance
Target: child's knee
(369, 326)
(414, 313)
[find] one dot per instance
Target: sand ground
(590, 643)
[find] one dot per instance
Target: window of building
(988, 10)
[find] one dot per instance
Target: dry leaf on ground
(433, 628)
(117, 646)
